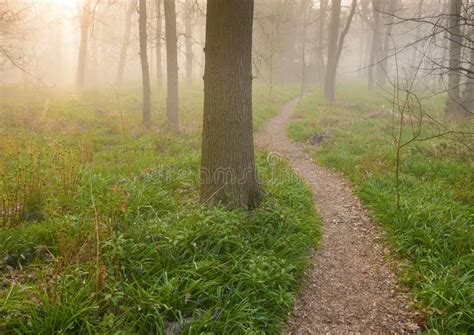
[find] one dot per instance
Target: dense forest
(237, 167)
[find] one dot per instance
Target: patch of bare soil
(349, 287)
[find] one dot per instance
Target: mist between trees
(408, 51)
(94, 43)
(127, 145)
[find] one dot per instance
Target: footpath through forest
(349, 286)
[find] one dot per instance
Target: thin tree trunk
(368, 38)
(172, 103)
(126, 41)
(151, 53)
(344, 32)
(188, 26)
(272, 53)
(336, 50)
(228, 171)
(468, 94)
(362, 49)
(94, 57)
(320, 46)
(368, 52)
(376, 43)
(58, 36)
(86, 16)
(159, 69)
(455, 49)
(304, 4)
(379, 70)
(142, 23)
(330, 80)
(419, 14)
(389, 18)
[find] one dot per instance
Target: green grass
(434, 229)
(111, 237)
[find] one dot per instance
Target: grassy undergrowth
(102, 231)
(434, 229)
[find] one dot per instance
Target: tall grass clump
(37, 179)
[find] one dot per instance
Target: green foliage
(129, 249)
(433, 231)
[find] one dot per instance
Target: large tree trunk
(188, 26)
(455, 48)
(228, 170)
(125, 42)
(86, 16)
(144, 62)
(159, 69)
(336, 43)
(172, 104)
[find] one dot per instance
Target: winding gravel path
(349, 287)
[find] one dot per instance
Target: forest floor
(350, 286)
(102, 230)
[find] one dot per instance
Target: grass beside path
(110, 236)
(434, 229)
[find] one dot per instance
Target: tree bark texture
(228, 171)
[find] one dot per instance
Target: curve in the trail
(349, 287)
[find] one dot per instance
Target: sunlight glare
(66, 3)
